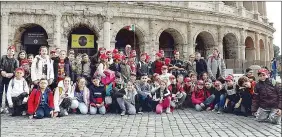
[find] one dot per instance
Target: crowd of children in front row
(135, 93)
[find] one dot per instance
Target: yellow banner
(82, 41)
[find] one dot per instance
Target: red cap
(108, 52)
(187, 79)
(164, 67)
(11, 47)
(19, 69)
(171, 77)
(167, 61)
(103, 56)
(115, 51)
(24, 62)
(102, 48)
(228, 78)
(200, 82)
(159, 54)
(132, 55)
(263, 70)
(117, 56)
(53, 51)
(123, 57)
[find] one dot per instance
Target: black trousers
(18, 107)
(144, 103)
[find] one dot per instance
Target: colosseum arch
(204, 43)
(169, 40)
(262, 50)
(135, 38)
(30, 37)
(82, 28)
(249, 49)
(230, 43)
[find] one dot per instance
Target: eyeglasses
(216, 85)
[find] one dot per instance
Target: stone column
(242, 45)
(256, 13)
(190, 42)
(4, 32)
(241, 8)
(271, 52)
(219, 40)
(257, 46)
(57, 35)
(113, 44)
(264, 9)
(153, 43)
(266, 49)
(107, 34)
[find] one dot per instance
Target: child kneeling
(161, 98)
(97, 97)
(17, 93)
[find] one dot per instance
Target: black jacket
(201, 66)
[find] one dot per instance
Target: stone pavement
(180, 123)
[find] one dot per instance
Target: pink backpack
(110, 77)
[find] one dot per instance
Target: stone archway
(249, 49)
(30, 37)
(230, 44)
(130, 36)
(83, 29)
(204, 43)
(170, 40)
(262, 50)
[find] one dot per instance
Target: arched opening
(248, 5)
(204, 43)
(33, 37)
(83, 39)
(230, 3)
(170, 40)
(230, 43)
(127, 37)
(262, 50)
(250, 49)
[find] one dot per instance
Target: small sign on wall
(35, 38)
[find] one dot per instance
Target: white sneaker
(202, 105)
(168, 110)
(25, 100)
(66, 113)
(24, 113)
(1, 110)
(6, 110)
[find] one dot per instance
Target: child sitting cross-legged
(97, 96)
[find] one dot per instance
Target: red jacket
(35, 98)
(198, 97)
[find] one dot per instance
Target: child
(204, 76)
(41, 101)
(198, 95)
(81, 96)
(97, 96)
(62, 67)
(233, 99)
(42, 67)
(125, 69)
(21, 56)
(110, 57)
(243, 88)
(144, 94)
(8, 64)
(85, 65)
(252, 80)
(188, 90)
(161, 98)
(115, 66)
(267, 101)
(193, 77)
(27, 75)
(219, 92)
(126, 99)
(63, 97)
(17, 93)
(209, 98)
(30, 58)
(181, 94)
(142, 66)
(156, 66)
(165, 75)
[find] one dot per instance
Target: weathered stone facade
(239, 29)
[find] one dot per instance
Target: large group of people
(56, 83)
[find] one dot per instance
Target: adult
(177, 65)
(127, 50)
(62, 67)
(274, 68)
(216, 66)
(201, 65)
(190, 66)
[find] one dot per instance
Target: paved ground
(185, 123)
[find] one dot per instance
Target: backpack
(13, 83)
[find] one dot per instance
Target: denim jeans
(43, 111)
(4, 85)
(219, 105)
(209, 100)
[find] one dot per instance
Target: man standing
(201, 65)
(216, 66)
(177, 65)
(274, 68)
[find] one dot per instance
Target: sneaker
(168, 110)
(218, 112)
(66, 113)
(202, 105)
(25, 100)
(6, 110)
(24, 113)
(122, 113)
(208, 109)
(213, 110)
(1, 110)
(140, 112)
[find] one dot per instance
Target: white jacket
(58, 97)
(36, 70)
(20, 86)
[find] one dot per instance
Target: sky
(273, 10)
